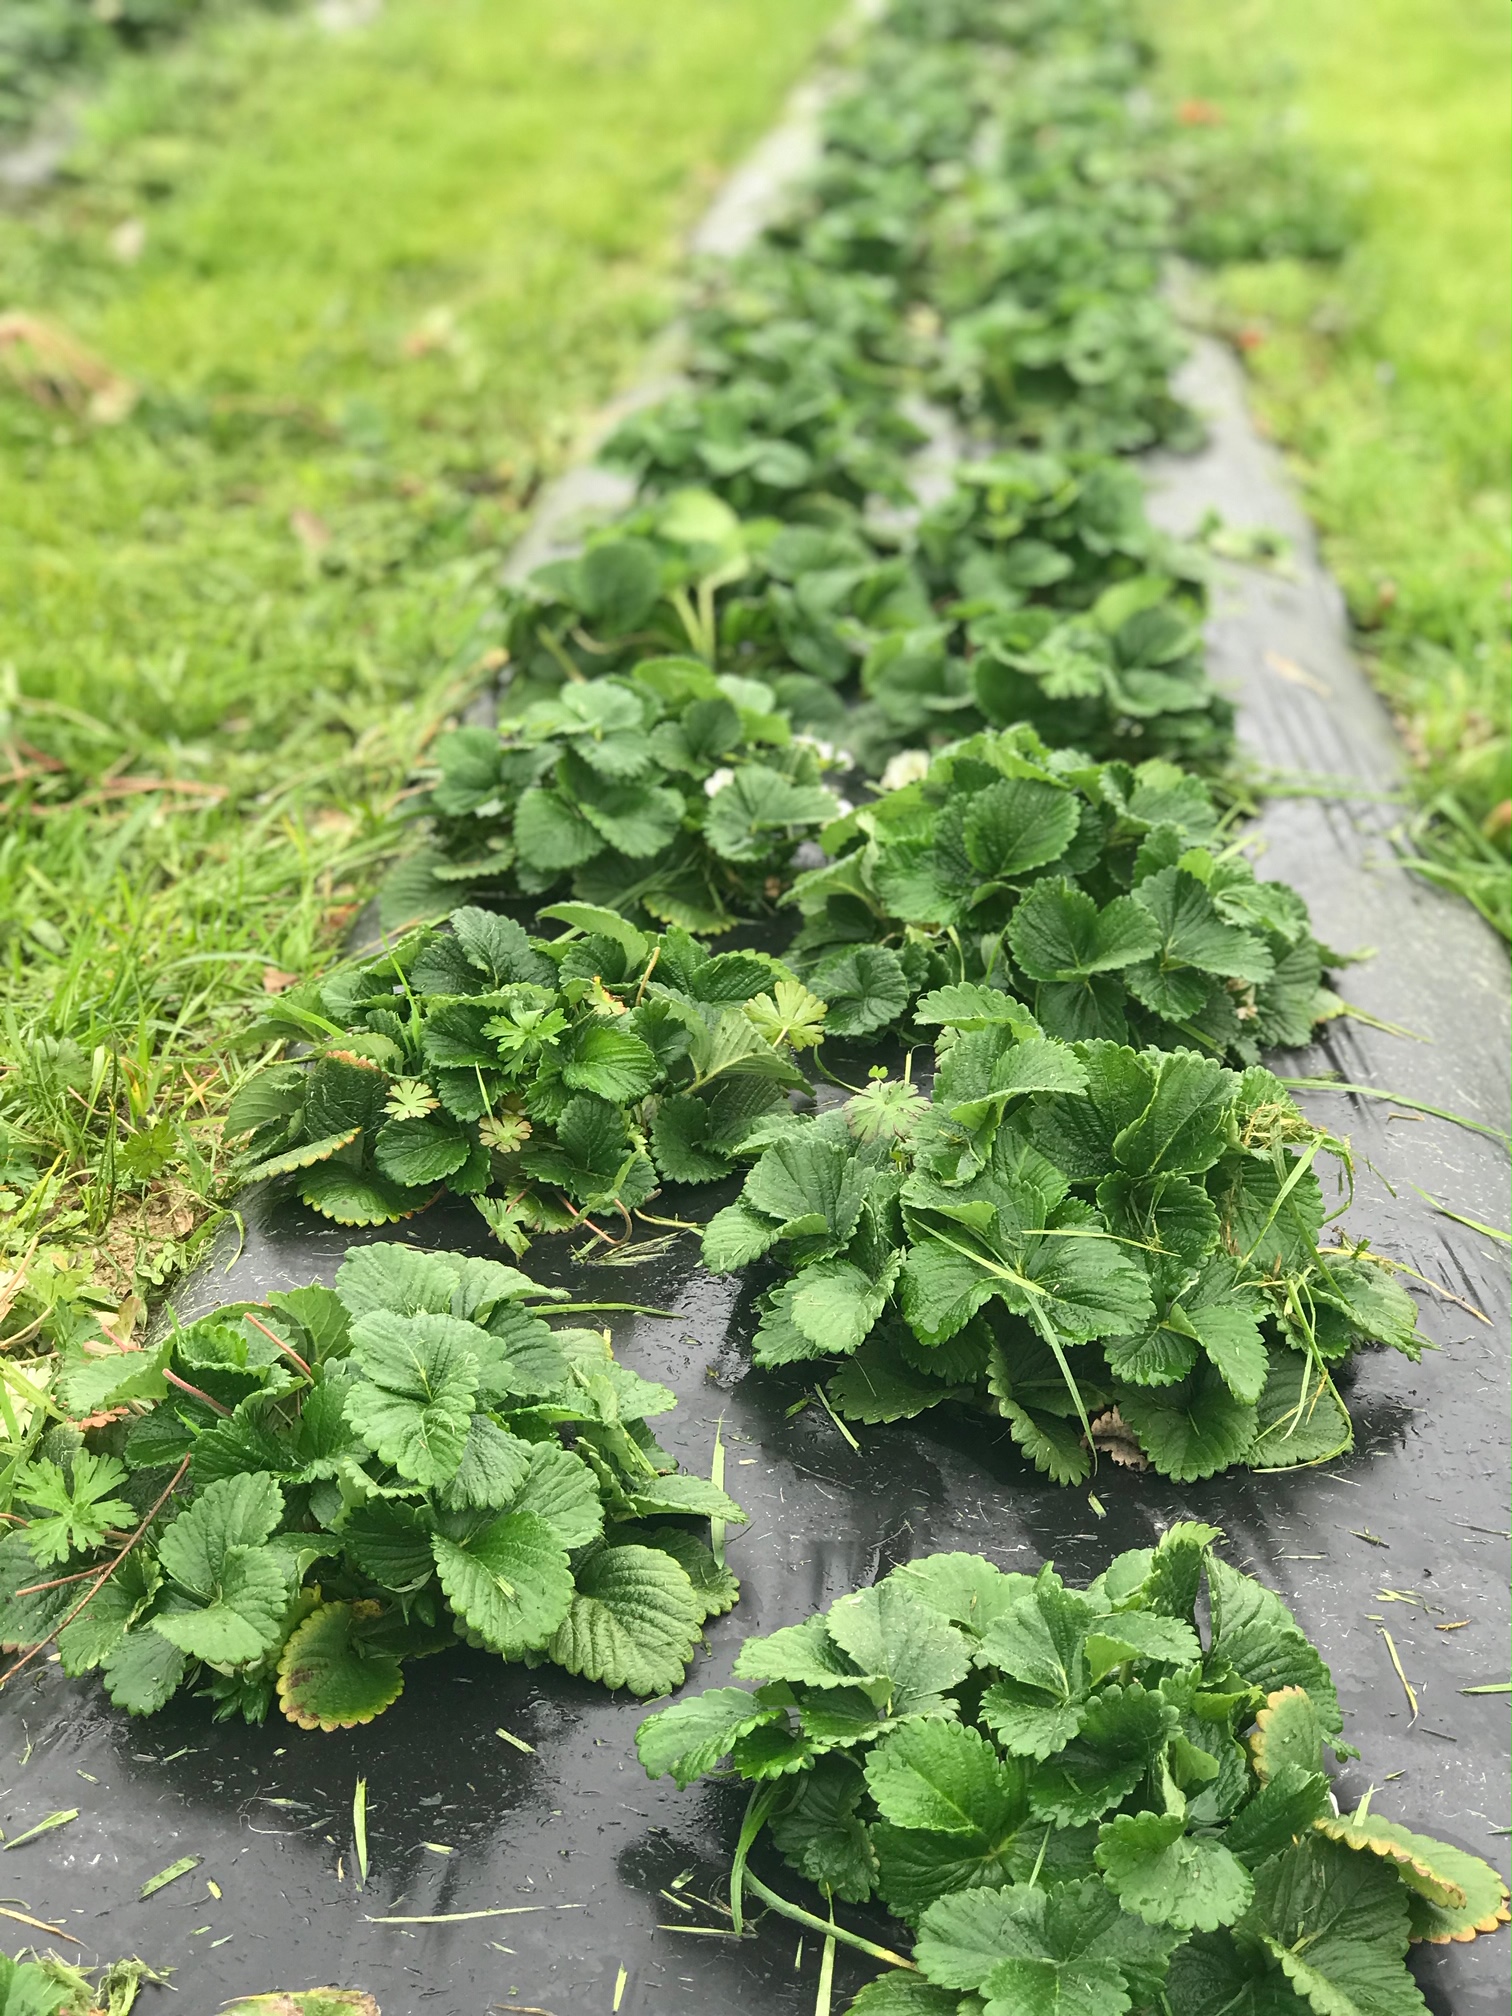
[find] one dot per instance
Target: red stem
(36, 1588)
(274, 1338)
(184, 1387)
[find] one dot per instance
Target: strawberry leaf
(510, 1583)
(244, 1616)
(690, 1738)
(1192, 1429)
(414, 1404)
(1257, 1635)
(1338, 1925)
(143, 1671)
(634, 1621)
(342, 1194)
(1169, 1877)
(330, 1676)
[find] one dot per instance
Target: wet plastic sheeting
(1405, 1536)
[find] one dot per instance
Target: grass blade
(44, 1827)
(716, 1478)
(1407, 1687)
(359, 1830)
(171, 1874)
(457, 1917)
(1397, 1099)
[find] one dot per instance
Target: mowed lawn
(289, 347)
(1387, 377)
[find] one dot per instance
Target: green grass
(1387, 377)
(49, 44)
(370, 285)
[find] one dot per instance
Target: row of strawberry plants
(1102, 1226)
(991, 191)
(1040, 887)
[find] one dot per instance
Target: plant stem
(756, 1812)
(195, 1393)
(58, 1581)
(675, 1224)
(274, 1338)
(825, 1928)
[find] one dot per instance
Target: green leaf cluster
(1106, 1248)
(942, 247)
(1036, 262)
(372, 1472)
(1093, 1801)
(988, 222)
(1036, 589)
(672, 793)
(545, 1079)
(1106, 898)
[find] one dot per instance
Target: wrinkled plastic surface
(586, 1863)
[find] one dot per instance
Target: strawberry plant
(646, 586)
(544, 1079)
(315, 1489)
(672, 793)
(765, 446)
(1046, 269)
(1104, 1248)
(1093, 1801)
(1074, 614)
(1102, 896)
(1035, 592)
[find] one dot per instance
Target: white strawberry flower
(907, 767)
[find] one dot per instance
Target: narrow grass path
(1387, 377)
(289, 349)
